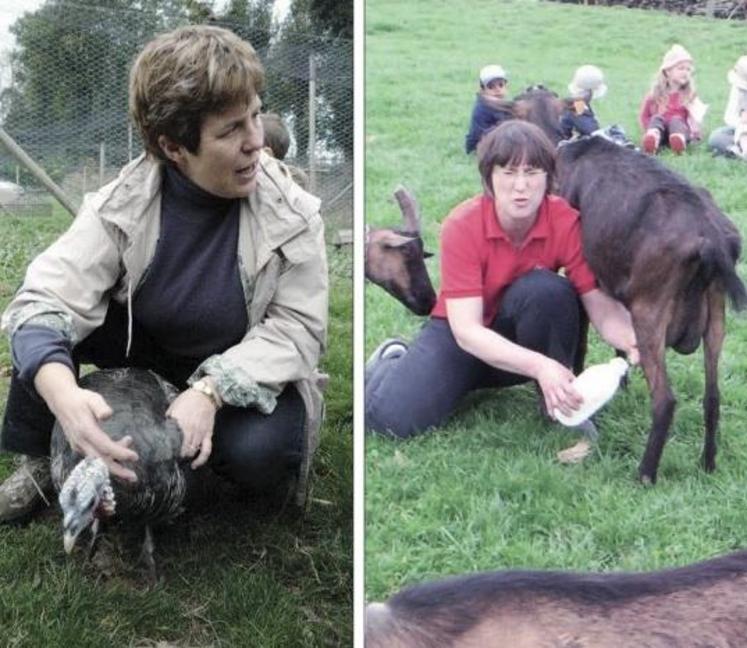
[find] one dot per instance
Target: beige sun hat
(738, 74)
(676, 54)
(588, 78)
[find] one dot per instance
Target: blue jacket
(484, 118)
(584, 124)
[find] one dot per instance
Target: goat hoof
(709, 465)
(647, 480)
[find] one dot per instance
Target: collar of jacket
(280, 207)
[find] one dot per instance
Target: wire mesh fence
(64, 99)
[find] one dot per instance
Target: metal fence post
(311, 151)
(102, 162)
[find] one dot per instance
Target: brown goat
(395, 259)
(541, 107)
(699, 606)
(666, 251)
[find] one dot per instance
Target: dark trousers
(258, 452)
(675, 125)
(407, 394)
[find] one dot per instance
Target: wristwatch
(204, 387)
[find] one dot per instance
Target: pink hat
(676, 54)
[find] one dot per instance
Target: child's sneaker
(391, 347)
(736, 151)
(650, 142)
(677, 143)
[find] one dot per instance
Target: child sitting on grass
(578, 117)
(491, 107)
(672, 113)
(732, 138)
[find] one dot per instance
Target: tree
(333, 16)
(305, 34)
(250, 19)
(70, 76)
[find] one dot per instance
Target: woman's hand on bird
(195, 414)
(555, 380)
(79, 412)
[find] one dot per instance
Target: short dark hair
(276, 135)
(515, 142)
(182, 76)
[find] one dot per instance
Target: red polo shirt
(479, 260)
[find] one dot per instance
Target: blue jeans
(407, 394)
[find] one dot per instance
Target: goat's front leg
(713, 341)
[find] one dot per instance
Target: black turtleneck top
(190, 301)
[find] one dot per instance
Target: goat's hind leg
(650, 330)
(713, 341)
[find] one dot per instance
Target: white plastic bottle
(596, 385)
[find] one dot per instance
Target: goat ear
(427, 255)
(394, 240)
(521, 109)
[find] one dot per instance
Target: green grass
(485, 491)
(233, 573)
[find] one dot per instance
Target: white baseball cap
(491, 73)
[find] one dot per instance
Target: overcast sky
(10, 11)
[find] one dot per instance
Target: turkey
(139, 399)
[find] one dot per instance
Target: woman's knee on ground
(389, 417)
(397, 416)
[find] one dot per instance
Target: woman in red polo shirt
(503, 315)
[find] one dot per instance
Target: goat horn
(409, 208)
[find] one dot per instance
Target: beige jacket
(282, 262)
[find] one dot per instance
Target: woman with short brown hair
(504, 315)
(204, 262)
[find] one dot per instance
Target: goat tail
(724, 268)
(735, 289)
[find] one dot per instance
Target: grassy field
(486, 492)
(235, 573)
